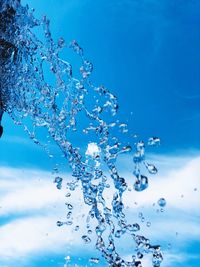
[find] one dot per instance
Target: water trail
(64, 106)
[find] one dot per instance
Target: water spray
(58, 108)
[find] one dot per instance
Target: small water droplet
(89, 232)
(162, 202)
(94, 260)
(86, 239)
(148, 224)
(169, 245)
(58, 181)
(59, 223)
(76, 228)
(154, 141)
(69, 206)
(139, 255)
(140, 214)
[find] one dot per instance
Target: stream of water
(56, 106)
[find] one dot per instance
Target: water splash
(57, 106)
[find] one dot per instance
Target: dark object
(8, 50)
(1, 131)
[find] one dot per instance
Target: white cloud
(32, 195)
(29, 235)
(179, 186)
(30, 207)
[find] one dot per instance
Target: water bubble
(162, 202)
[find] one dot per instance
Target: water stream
(56, 106)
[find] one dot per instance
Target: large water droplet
(151, 168)
(141, 184)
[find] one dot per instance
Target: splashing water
(57, 106)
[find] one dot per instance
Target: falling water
(57, 106)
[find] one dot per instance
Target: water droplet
(69, 214)
(153, 141)
(76, 228)
(151, 168)
(86, 239)
(59, 223)
(69, 222)
(69, 206)
(133, 227)
(169, 245)
(58, 181)
(139, 255)
(148, 224)
(140, 214)
(162, 202)
(123, 127)
(141, 184)
(94, 260)
(89, 232)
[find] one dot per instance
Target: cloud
(31, 205)
(28, 190)
(179, 185)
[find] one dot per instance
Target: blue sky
(147, 53)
